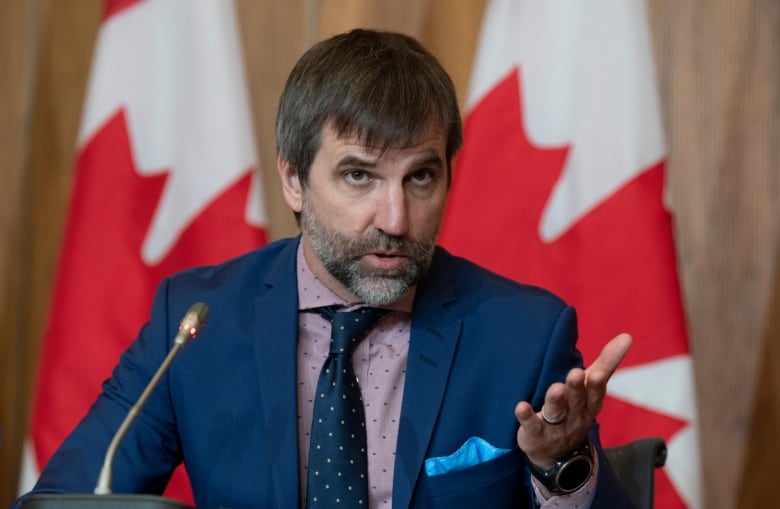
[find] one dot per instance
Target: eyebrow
(353, 160)
(429, 157)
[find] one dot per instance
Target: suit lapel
(275, 340)
(434, 337)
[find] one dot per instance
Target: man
(473, 391)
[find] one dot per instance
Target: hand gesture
(569, 408)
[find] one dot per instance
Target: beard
(342, 255)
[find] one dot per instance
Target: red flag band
(166, 178)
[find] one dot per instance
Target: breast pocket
(498, 483)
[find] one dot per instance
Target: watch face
(569, 473)
(573, 474)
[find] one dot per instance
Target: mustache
(377, 240)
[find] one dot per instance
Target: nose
(391, 215)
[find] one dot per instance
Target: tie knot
(349, 327)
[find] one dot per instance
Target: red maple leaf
(103, 290)
(614, 265)
(114, 7)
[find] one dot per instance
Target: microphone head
(192, 323)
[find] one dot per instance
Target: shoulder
(469, 282)
(257, 266)
(230, 289)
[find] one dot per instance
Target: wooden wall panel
(761, 462)
(454, 39)
(274, 35)
(65, 42)
(336, 16)
(57, 47)
(16, 57)
(718, 73)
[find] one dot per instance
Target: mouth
(385, 259)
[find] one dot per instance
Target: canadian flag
(166, 177)
(560, 184)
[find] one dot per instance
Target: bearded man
(463, 389)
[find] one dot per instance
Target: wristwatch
(569, 473)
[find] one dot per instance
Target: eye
(422, 177)
(357, 177)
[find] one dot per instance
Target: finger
(551, 419)
(595, 398)
(597, 375)
(577, 392)
(555, 408)
(529, 421)
(610, 356)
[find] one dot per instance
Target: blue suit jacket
(479, 344)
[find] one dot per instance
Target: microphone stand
(103, 486)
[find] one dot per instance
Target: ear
(291, 184)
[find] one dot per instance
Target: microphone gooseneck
(192, 323)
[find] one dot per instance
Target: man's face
(369, 218)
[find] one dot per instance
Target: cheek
(346, 216)
(425, 218)
(329, 205)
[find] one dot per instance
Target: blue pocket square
(475, 450)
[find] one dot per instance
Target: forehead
(430, 139)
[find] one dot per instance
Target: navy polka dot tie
(338, 473)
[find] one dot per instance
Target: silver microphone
(194, 320)
(192, 323)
